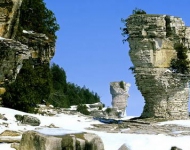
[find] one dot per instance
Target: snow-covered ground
(112, 141)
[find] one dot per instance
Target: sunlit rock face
(30, 45)
(119, 92)
(151, 40)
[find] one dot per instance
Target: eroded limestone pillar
(151, 40)
(119, 92)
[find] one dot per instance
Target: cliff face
(151, 40)
(29, 45)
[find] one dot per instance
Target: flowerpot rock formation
(119, 92)
(151, 39)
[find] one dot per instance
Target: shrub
(122, 85)
(181, 63)
(138, 11)
(83, 109)
(100, 108)
(108, 110)
(36, 17)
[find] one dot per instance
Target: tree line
(36, 84)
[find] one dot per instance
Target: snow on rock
(112, 141)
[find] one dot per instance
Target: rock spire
(151, 40)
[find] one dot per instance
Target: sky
(89, 46)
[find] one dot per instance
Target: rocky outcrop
(29, 45)
(151, 40)
(32, 140)
(119, 92)
(29, 120)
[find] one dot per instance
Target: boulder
(124, 147)
(94, 142)
(3, 117)
(175, 148)
(10, 133)
(30, 120)
(32, 140)
(15, 146)
(18, 117)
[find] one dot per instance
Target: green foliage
(132, 69)
(181, 63)
(124, 31)
(122, 85)
(100, 108)
(37, 83)
(108, 110)
(83, 109)
(65, 94)
(30, 88)
(138, 11)
(36, 17)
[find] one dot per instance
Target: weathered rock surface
(124, 147)
(32, 140)
(151, 40)
(2, 117)
(10, 133)
(29, 45)
(30, 120)
(119, 92)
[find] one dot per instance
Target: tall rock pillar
(151, 40)
(119, 92)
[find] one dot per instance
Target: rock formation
(151, 40)
(119, 92)
(29, 45)
(32, 140)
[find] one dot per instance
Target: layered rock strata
(29, 45)
(151, 40)
(119, 92)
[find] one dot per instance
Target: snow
(28, 32)
(1, 38)
(112, 141)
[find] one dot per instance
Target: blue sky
(89, 45)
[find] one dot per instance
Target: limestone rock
(10, 133)
(124, 147)
(15, 146)
(32, 140)
(119, 92)
(151, 40)
(19, 117)
(94, 141)
(30, 120)
(14, 49)
(3, 117)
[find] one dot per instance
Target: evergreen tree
(181, 63)
(30, 88)
(36, 17)
(58, 95)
